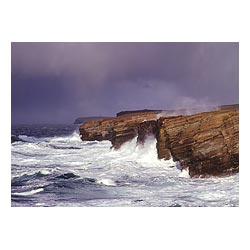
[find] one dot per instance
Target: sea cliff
(207, 143)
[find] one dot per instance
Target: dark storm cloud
(56, 82)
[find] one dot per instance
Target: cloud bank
(57, 82)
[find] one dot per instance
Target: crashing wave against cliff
(207, 143)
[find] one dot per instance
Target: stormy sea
(52, 166)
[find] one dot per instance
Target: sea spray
(145, 153)
(62, 170)
(189, 106)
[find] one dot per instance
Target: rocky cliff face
(118, 130)
(207, 143)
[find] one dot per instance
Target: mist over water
(62, 170)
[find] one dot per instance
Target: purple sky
(58, 82)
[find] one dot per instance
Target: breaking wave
(27, 193)
(65, 171)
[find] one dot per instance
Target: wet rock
(207, 143)
(146, 129)
(118, 130)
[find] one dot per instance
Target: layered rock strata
(117, 130)
(207, 143)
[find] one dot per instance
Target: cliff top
(181, 111)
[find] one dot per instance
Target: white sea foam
(86, 156)
(70, 138)
(184, 173)
(135, 167)
(44, 172)
(27, 193)
(145, 154)
(107, 182)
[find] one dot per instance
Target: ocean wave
(31, 192)
(106, 182)
(71, 171)
(67, 176)
(63, 147)
(27, 138)
(15, 138)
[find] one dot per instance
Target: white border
(122, 228)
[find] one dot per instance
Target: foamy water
(65, 171)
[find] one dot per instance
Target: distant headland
(81, 120)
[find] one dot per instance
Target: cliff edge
(207, 143)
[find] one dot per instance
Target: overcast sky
(58, 82)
